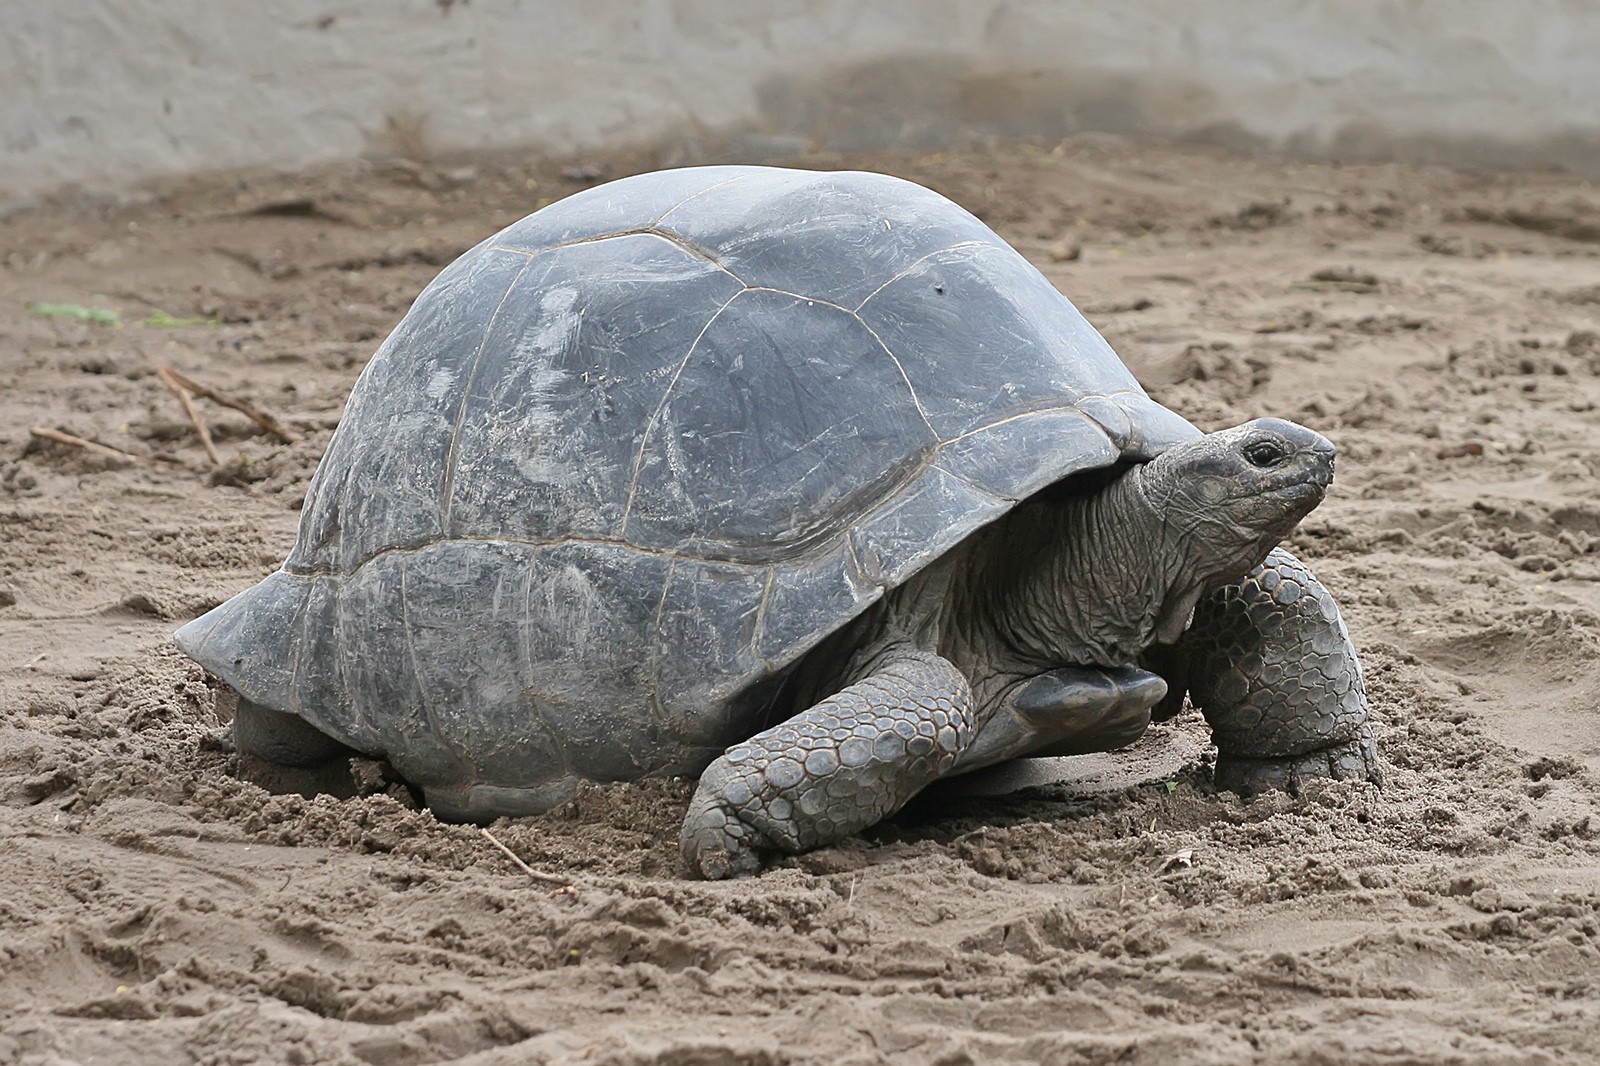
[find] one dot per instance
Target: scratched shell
(628, 460)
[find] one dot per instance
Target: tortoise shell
(624, 463)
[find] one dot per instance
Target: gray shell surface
(626, 461)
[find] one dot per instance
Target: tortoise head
(1232, 495)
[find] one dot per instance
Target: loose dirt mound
(1440, 326)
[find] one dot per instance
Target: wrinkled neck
(1087, 580)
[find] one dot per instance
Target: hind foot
(285, 753)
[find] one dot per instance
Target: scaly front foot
(1270, 664)
(831, 770)
(1355, 760)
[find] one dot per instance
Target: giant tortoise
(804, 483)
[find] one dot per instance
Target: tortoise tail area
(342, 652)
(267, 644)
(467, 665)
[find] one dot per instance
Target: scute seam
(677, 240)
(895, 359)
(657, 712)
(655, 416)
(696, 195)
(760, 627)
(422, 684)
(917, 263)
(452, 452)
(536, 706)
(974, 486)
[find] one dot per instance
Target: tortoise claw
(715, 845)
(1355, 760)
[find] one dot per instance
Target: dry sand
(1439, 325)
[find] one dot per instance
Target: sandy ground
(1439, 325)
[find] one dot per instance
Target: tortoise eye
(1265, 453)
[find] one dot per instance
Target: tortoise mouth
(1298, 500)
(1305, 490)
(1273, 512)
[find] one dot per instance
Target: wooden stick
(537, 875)
(254, 414)
(170, 380)
(68, 439)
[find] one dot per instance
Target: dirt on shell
(1443, 327)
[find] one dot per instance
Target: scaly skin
(831, 770)
(1269, 663)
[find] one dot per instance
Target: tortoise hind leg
(1269, 663)
(283, 752)
(280, 737)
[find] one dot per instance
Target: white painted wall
(106, 93)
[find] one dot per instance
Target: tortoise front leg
(831, 770)
(1270, 664)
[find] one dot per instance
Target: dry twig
(170, 379)
(45, 433)
(254, 414)
(537, 875)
